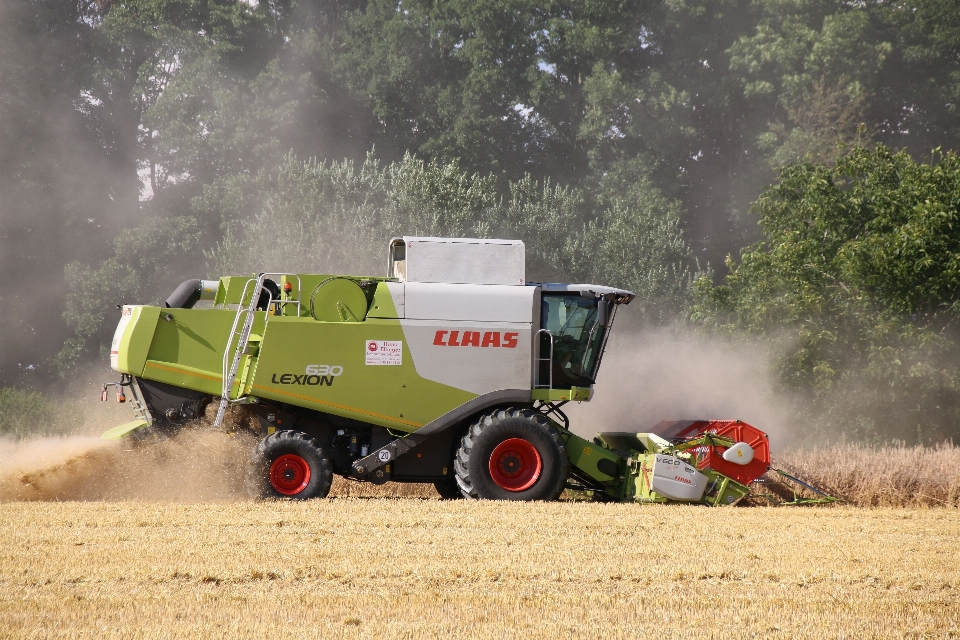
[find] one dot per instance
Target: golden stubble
(411, 568)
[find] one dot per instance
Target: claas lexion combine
(452, 370)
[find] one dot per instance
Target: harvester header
(451, 369)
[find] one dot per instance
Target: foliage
(618, 139)
(32, 413)
(148, 262)
(332, 217)
(856, 284)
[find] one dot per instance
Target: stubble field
(160, 542)
(415, 567)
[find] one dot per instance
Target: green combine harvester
(452, 370)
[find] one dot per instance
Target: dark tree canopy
(658, 122)
(857, 281)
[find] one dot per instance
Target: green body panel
(135, 342)
(382, 305)
(584, 455)
(395, 397)
(725, 490)
(123, 430)
(339, 300)
(578, 394)
(187, 351)
(230, 290)
(302, 287)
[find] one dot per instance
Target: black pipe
(186, 295)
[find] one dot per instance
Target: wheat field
(412, 568)
(160, 542)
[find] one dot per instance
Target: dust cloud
(197, 466)
(664, 374)
(201, 463)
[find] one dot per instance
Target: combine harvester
(453, 370)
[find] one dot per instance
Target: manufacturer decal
(324, 370)
(316, 375)
(506, 340)
(302, 379)
(384, 352)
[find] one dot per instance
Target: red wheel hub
(289, 474)
(515, 464)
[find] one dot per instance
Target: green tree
(498, 84)
(815, 64)
(333, 217)
(149, 261)
(59, 193)
(26, 414)
(856, 287)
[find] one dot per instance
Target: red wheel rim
(289, 474)
(515, 464)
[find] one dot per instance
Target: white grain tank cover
(457, 260)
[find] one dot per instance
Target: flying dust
(199, 465)
(668, 374)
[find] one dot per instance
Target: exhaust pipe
(191, 292)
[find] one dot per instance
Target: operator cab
(575, 321)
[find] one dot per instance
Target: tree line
(630, 142)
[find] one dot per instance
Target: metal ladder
(231, 366)
(541, 361)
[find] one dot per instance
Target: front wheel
(512, 454)
(289, 464)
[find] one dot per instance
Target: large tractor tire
(512, 454)
(289, 464)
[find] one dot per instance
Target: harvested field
(162, 544)
(409, 568)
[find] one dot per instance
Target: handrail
(540, 360)
(229, 372)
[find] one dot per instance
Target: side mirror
(605, 306)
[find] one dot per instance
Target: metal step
(248, 314)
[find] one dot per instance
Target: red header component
(506, 340)
(736, 430)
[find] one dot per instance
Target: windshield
(578, 336)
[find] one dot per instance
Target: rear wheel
(512, 454)
(289, 464)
